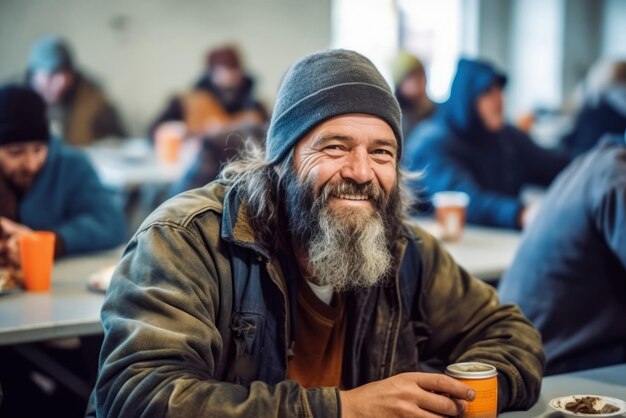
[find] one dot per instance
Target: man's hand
(407, 395)
(9, 241)
(528, 214)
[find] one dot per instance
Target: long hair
(262, 185)
(259, 182)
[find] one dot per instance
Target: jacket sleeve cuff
(324, 402)
(509, 213)
(503, 392)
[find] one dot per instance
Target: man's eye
(334, 147)
(383, 152)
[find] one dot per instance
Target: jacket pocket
(247, 331)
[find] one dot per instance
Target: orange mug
(483, 378)
(37, 258)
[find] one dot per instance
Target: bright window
(431, 30)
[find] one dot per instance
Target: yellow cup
(37, 258)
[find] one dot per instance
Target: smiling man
(294, 286)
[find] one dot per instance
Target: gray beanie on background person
(323, 85)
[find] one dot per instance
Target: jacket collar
(236, 226)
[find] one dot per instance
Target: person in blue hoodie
(571, 281)
(467, 146)
(46, 185)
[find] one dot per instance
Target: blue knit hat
(50, 54)
(323, 85)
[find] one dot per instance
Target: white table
(132, 170)
(68, 310)
(605, 381)
(132, 163)
(484, 252)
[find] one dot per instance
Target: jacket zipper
(394, 340)
(280, 284)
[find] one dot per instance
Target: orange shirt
(320, 336)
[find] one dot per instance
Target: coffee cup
(168, 140)
(450, 209)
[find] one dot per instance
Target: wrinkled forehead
(351, 126)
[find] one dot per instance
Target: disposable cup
(37, 258)
(168, 141)
(450, 209)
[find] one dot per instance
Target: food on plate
(586, 405)
(10, 278)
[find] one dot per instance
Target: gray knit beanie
(323, 85)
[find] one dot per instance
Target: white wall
(494, 32)
(369, 27)
(143, 51)
(614, 25)
(581, 46)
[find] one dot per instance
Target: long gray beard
(349, 253)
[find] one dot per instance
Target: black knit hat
(22, 116)
(323, 85)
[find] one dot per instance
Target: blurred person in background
(46, 185)
(570, 281)
(221, 111)
(603, 107)
(468, 146)
(78, 110)
(222, 99)
(409, 78)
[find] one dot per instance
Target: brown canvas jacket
(181, 341)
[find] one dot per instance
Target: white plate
(560, 402)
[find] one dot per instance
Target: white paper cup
(450, 209)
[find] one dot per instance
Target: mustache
(370, 190)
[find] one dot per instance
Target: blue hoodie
(569, 273)
(457, 152)
(69, 199)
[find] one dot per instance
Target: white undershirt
(323, 293)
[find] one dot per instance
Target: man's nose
(31, 163)
(357, 167)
